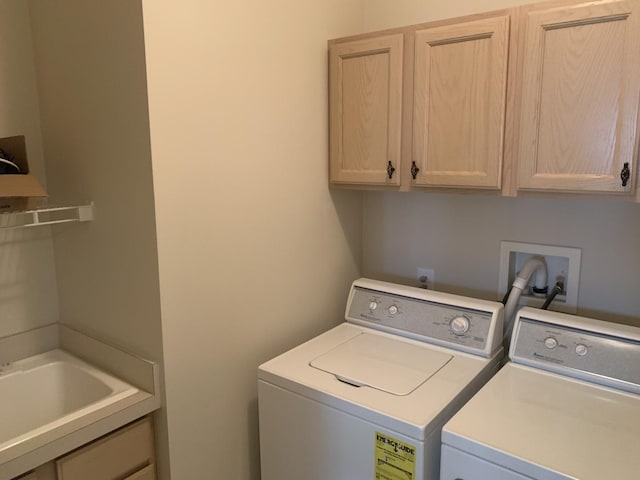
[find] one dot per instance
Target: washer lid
(543, 425)
(392, 366)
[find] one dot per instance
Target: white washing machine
(367, 399)
(566, 406)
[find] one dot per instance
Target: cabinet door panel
(459, 103)
(130, 449)
(580, 93)
(365, 89)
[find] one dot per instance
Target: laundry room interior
(177, 125)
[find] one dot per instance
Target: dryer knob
(459, 325)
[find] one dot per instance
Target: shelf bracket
(47, 216)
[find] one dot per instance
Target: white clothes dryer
(566, 406)
(367, 399)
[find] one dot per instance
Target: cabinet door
(127, 454)
(365, 108)
(580, 90)
(460, 83)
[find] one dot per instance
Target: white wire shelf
(47, 216)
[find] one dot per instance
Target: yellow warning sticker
(395, 460)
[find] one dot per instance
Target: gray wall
(459, 236)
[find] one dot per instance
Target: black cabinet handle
(414, 170)
(390, 170)
(625, 174)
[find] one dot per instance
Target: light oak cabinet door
(580, 91)
(365, 109)
(459, 95)
(126, 454)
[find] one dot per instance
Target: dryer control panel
(602, 352)
(434, 317)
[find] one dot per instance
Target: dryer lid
(393, 366)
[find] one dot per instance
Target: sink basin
(43, 392)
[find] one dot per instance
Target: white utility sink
(45, 391)
(53, 402)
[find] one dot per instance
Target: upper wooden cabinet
(538, 98)
(580, 87)
(365, 91)
(459, 95)
(422, 106)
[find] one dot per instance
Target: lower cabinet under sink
(127, 454)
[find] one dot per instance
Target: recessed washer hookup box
(18, 191)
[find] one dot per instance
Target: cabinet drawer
(127, 453)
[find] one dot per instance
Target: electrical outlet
(562, 263)
(426, 278)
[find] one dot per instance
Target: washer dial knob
(459, 325)
(393, 309)
(582, 349)
(373, 305)
(550, 342)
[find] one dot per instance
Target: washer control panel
(450, 324)
(578, 352)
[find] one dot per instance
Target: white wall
(255, 253)
(28, 296)
(90, 61)
(91, 76)
(459, 235)
(381, 14)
